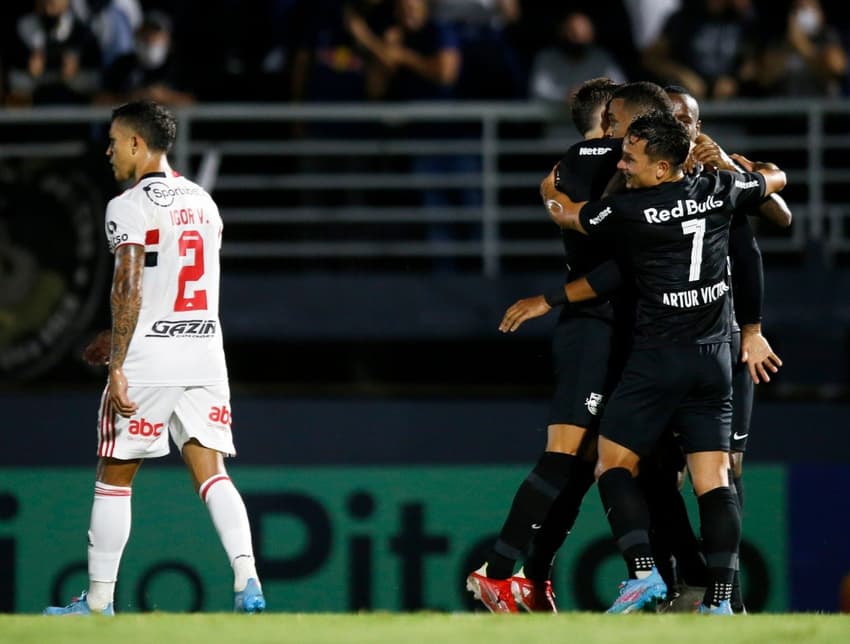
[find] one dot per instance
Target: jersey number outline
(191, 240)
(695, 227)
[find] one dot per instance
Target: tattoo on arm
(126, 299)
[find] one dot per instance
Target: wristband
(556, 297)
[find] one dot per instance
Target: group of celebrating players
(654, 361)
(655, 364)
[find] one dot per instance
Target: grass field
(578, 628)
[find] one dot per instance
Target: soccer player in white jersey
(167, 371)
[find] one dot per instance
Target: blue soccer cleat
(250, 600)
(724, 608)
(78, 607)
(637, 593)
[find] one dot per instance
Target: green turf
(583, 628)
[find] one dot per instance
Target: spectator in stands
(418, 58)
(647, 18)
(559, 70)
(491, 68)
(149, 72)
(55, 57)
(707, 47)
(113, 23)
(807, 59)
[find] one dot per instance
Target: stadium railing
(395, 186)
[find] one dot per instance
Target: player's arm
(562, 210)
(126, 302)
(710, 154)
(533, 307)
(748, 287)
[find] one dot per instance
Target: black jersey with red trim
(582, 174)
(673, 239)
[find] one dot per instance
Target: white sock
(231, 522)
(109, 531)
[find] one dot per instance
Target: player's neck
(154, 163)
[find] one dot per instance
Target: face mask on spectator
(152, 55)
(808, 20)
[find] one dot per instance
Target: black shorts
(583, 364)
(686, 388)
(742, 398)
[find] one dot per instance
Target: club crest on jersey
(595, 403)
(683, 207)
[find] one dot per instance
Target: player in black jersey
(752, 357)
(671, 233)
(586, 367)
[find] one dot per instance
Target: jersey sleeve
(125, 224)
(596, 217)
(747, 271)
(744, 189)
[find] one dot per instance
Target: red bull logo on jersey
(144, 428)
(182, 329)
(683, 207)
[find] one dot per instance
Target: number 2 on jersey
(191, 240)
(695, 227)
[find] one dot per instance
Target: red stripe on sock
(206, 485)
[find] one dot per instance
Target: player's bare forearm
(775, 210)
(126, 299)
(562, 210)
(774, 178)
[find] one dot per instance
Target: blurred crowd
(183, 51)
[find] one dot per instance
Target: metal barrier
(395, 186)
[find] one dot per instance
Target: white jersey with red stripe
(178, 338)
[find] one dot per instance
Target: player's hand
(97, 351)
(118, 396)
(757, 354)
(522, 310)
(744, 162)
(709, 153)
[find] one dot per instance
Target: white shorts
(202, 413)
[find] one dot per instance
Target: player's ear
(662, 166)
(699, 127)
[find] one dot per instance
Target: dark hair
(666, 138)
(644, 97)
(683, 91)
(587, 99)
(152, 121)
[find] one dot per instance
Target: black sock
(528, 511)
(560, 520)
(720, 523)
(737, 594)
(628, 516)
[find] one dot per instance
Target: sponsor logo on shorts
(182, 329)
(144, 428)
(595, 403)
(221, 415)
(598, 219)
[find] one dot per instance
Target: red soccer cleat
(495, 594)
(535, 597)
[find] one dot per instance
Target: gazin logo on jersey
(182, 329)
